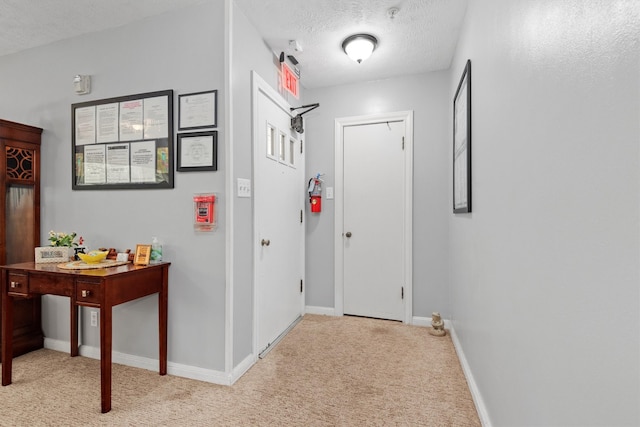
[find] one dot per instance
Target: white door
(374, 220)
(279, 231)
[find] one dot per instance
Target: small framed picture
(51, 254)
(198, 151)
(197, 110)
(143, 255)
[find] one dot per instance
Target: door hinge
(300, 216)
(403, 142)
(300, 285)
(402, 291)
(300, 146)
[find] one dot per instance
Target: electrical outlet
(94, 318)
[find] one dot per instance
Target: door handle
(348, 234)
(266, 242)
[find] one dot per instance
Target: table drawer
(88, 293)
(18, 284)
(49, 284)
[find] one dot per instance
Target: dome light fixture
(359, 46)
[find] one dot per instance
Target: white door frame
(340, 123)
(258, 84)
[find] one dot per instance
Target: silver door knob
(348, 234)
(265, 242)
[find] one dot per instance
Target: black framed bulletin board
(123, 143)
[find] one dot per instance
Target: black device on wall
(296, 121)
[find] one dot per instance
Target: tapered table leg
(105, 358)
(74, 328)
(7, 336)
(163, 297)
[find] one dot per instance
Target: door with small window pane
(279, 203)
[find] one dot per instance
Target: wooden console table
(99, 288)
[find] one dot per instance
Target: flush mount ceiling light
(359, 46)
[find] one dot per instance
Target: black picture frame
(197, 151)
(124, 142)
(462, 143)
(198, 110)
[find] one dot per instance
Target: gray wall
(249, 53)
(545, 271)
(543, 276)
(427, 95)
(155, 54)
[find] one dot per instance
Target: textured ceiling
(420, 38)
(29, 23)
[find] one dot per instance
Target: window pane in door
(271, 141)
(283, 149)
(292, 145)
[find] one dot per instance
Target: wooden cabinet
(20, 221)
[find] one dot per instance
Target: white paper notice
(156, 115)
(117, 163)
(85, 125)
(143, 161)
(94, 164)
(107, 122)
(131, 120)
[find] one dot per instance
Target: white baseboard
(323, 311)
(177, 369)
(57, 345)
(242, 368)
(200, 374)
(466, 369)
(421, 321)
(426, 321)
(483, 414)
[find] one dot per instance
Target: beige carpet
(328, 371)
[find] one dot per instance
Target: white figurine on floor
(437, 325)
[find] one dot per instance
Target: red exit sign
(289, 80)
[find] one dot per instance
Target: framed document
(123, 143)
(462, 143)
(198, 110)
(198, 151)
(143, 255)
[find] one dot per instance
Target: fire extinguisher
(315, 194)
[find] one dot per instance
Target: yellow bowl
(93, 257)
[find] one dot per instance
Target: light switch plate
(244, 187)
(329, 193)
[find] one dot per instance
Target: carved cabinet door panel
(20, 220)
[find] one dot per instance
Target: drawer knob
(85, 293)
(15, 285)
